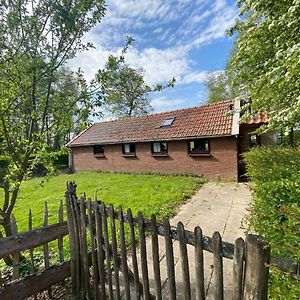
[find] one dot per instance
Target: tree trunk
(7, 229)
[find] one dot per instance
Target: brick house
(205, 141)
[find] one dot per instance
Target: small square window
(167, 122)
(199, 146)
(129, 149)
(98, 150)
(159, 148)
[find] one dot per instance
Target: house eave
(151, 140)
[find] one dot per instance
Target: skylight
(167, 122)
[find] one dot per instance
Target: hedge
(57, 160)
(275, 212)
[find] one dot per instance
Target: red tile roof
(210, 120)
(259, 118)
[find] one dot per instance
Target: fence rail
(21, 247)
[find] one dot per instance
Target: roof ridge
(165, 112)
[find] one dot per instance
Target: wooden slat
(114, 251)
(84, 250)
(107, 252)
(124, 254)
(184, 262)
(133, 254)
(34, 283)
(100, 253)
(218, 266)
(170, 260)
(238, 268)
(32, 239)
(60, 240)
(91, 226)
(155, 258)
(46, 247)
(32, 268)
(81, 278)
(199, 265)
(73, 245)
(15, 256)
(143, 252)
(256, 268)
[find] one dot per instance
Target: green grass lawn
(150, 194)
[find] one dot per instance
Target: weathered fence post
(256, 268)
(16, 256)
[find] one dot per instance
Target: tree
(219, 87)
(36, 39)
(266, 60)
(72, 103)
(123, 88)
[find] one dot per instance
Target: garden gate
(106, 262)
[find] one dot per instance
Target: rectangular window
(99, 150)
(129, 149)
(159, 148)
(200, 146)
(167, 122)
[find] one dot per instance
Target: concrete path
(215, 207)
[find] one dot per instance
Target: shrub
(58, 160)
(275, 212)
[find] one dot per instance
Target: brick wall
(221, 164)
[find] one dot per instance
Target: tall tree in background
(36, 39)
(219, 87)
(266, 61)
(72, 104)
(123, 89)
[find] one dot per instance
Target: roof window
(167, 122)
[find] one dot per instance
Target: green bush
(275, 212)
(58, 160)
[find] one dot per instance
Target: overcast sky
(181, 38)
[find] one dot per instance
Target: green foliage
(275, 212)
(36, 39)
(4, 163)
(123, 88)
(71, 105)
(220, 88)
(266, 58)
(57, 160)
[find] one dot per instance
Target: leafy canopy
(123, 89)
(219, 87)
(36, 39)
(266, 60)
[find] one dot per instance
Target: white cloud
(159, 65)
(177, 28)
(163, 103)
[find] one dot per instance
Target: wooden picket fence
(23, 248)
(111, 257)
(98, 238)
